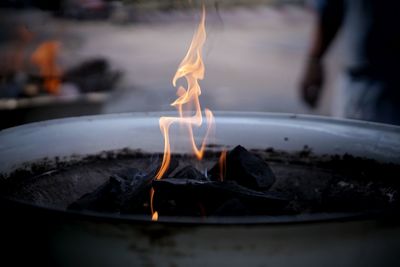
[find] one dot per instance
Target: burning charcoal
(186, 194)
(173, 164)
(109, 196)
(140, 195)
(246, 169)
(112, 195)
(232, 207)
(190, 172)
(123, 192)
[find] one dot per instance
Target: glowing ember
(192, 69)
(45, 58)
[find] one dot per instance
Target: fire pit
(37, 225)
(258, 190)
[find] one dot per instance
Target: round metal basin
(53, 237)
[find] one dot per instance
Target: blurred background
(80, 57)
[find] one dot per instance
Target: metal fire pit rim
(229, 114)
(225, 114)
(19, 208)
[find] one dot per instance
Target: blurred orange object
(45, 58)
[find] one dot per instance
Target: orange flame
(45, 58)
(192, 69)
(222, 165)
(154, 217)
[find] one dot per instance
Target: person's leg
(372, 100)
(388, 105)
(339, 96)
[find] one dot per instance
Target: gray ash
(256, 182)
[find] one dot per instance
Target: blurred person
(371, 32)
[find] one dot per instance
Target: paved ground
(253, 58)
